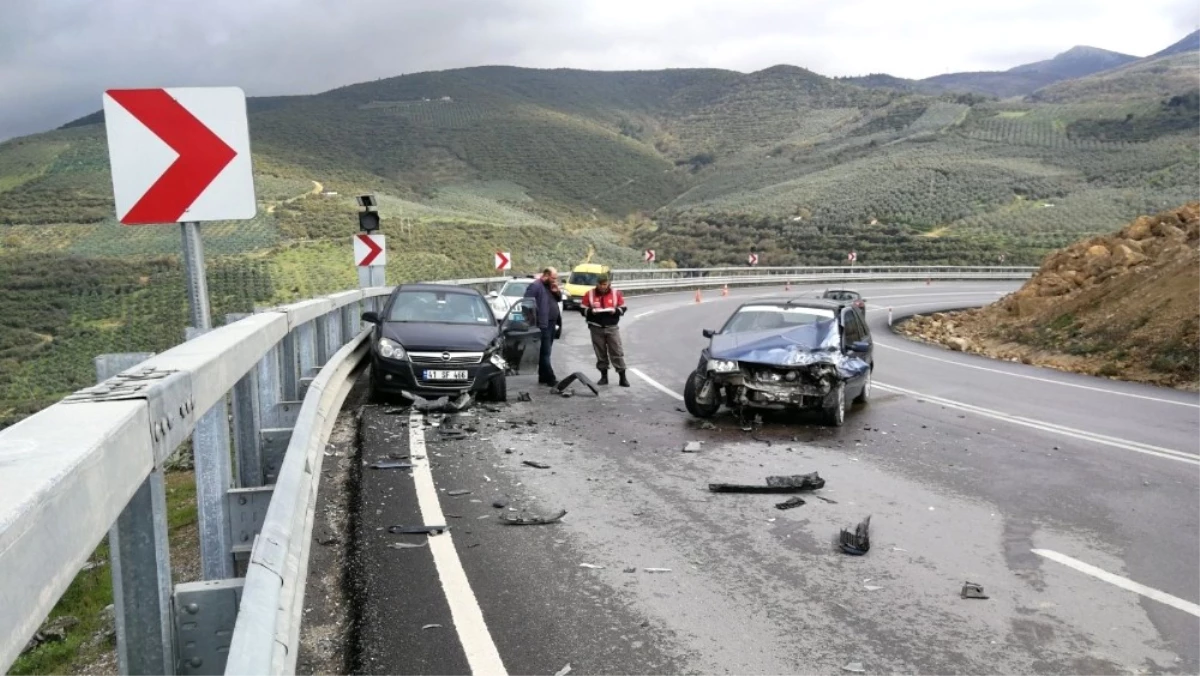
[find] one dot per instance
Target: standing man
(546, 294)
(603, 307)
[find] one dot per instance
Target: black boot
(624, 381)
(603, 377)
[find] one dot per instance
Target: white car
(513, 290)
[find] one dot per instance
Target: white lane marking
(473, 634)
(1169, 454)
(1115, 442)
(1041, 380)
(657, 385)
(1123, 583)
(647, 313)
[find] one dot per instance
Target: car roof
(817, 303)
(590, 267)
(446, 288)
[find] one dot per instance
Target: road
(1074, 501)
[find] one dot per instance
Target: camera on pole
(368, 220)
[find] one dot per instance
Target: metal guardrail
(271, 382)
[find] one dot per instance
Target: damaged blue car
(798, 354)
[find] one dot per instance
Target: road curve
(1072, 500)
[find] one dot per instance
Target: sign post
(852, 258)
(182, 155)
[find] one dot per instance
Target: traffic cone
(697, 295)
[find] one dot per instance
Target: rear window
(584, 278)
(515, 289)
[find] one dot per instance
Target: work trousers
(545, 367)
(606, 342)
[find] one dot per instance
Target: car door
(522, 338)
(853, 331)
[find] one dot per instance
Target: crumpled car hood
(817, 343)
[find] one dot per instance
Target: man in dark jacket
(603, 307)
(546, 294)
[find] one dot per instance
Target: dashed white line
(1117, 580)
(1115, 442)
(473, 634)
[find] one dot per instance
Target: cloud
(57, 56)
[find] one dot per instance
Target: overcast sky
(57, 56)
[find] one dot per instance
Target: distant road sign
(369, 250)
(752, 259)
(852, 257)
(503, 260)
(649, 255)
(179, 154)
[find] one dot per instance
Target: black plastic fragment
(790, 503)
(457, 492)
(775, 484)
(524, 396)
(858, 542)
(391, 464)
(971, 590)
(566, 382)
(418, 530)
(535, 463)
(523, 520)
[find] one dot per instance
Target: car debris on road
(407, 545)
(858, 542)
(390, 464)
(691, 447)
(971, 590)
(418, 530)
(535, 464)
(775, 484)
(523, 520)
(790, 503)
(563, 384)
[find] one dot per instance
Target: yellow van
(583, 279)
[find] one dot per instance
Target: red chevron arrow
(374, 250)
(202, 155)
(502, 260)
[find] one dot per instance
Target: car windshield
(584, 278)
(515, 289)
(441, 307)
(841, 295)
(768, 317)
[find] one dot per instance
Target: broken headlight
(722, 365)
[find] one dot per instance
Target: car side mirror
(860, 346)
(370, 317)
(709, 333)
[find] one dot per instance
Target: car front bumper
(395, 377)
(744, 391)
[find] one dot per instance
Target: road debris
(407, 545)
(691, 447)
(524, 397)
(657, 570)
(457, 492)
(591, 566)
(858, 542)
(391, 464)
(629, 570)
(431, 626)
(500, 503)
(871, 587)
(971, 590)
(775, 484)
(418, 530)
(855, 668)
(790, 503)
(569, 380)
(535, 464)
(441, 404)
(829, 500)
(522, 520)
(564, 671)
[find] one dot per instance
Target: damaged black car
(798, 354)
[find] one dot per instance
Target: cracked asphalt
(966, 466)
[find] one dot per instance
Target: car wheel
(498, 389)
(690, 390)
(835, 415)
(865, 396)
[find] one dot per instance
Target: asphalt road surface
(1074, 501)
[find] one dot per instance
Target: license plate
(445, 375)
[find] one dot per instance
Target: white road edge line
(1125, 444)
(1123, 583)
(473, 634)
(1136, 446)
(1041, 380)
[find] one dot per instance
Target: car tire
(694, 382)
(835, 415)
(497, 390)
(865, 396)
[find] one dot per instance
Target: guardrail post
(289, 379)
(210, 445)
(350, 321)
(247, 444)
(306, 349)
(140, 555)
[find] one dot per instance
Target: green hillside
(700, 164)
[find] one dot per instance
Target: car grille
(445, 357)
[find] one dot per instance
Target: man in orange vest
(603, 307)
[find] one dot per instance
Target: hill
(1121, 305)
(700, 164)
(1189, 43)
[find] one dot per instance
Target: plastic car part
(971, 590)
(418, 530)
(522, 520)
(858, 542)
(566, 382)
(775, 484)
(790, 503)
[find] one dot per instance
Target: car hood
(435, 337)
(800, 346)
